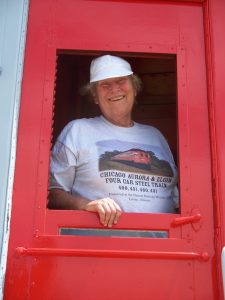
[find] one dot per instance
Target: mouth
(116, 98)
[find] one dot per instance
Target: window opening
(113, 233)
(156, 104)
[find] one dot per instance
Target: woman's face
(115, 97)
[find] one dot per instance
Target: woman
(110, 164)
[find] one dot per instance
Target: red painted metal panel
(126, 27)
(215, 47)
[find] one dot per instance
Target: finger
(108, 212)
(118, 213)
(96, 206)
(113, 213)
(101, 212)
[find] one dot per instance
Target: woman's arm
(107, 209)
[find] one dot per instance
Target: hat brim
(110, 74)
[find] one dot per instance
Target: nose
(114, 87)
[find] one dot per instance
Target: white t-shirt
(133, 166)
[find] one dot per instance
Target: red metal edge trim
(209, 49)
(21, 251)
(156, 1)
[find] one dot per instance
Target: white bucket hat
(108, 66)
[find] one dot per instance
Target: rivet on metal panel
(35, 260)
(36, 233)
(196, 225)
(205, 256)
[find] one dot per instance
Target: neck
(125, 122)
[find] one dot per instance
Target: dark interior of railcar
(156, 104)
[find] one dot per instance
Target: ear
(135, 92)
(94, 97)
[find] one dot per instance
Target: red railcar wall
(214, 12)
(30, 193)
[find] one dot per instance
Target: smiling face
(115, 97)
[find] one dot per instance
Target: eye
(105, 85)
(121, 81)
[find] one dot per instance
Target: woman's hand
(107, 209)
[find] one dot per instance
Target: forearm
(108, 210)
(60, 199)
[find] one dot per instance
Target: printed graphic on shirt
(136, 173)
(133, 160)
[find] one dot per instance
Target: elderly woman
(110, 164)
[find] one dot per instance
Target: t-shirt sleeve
(63, 162)
(175, 191)
(175, 197)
